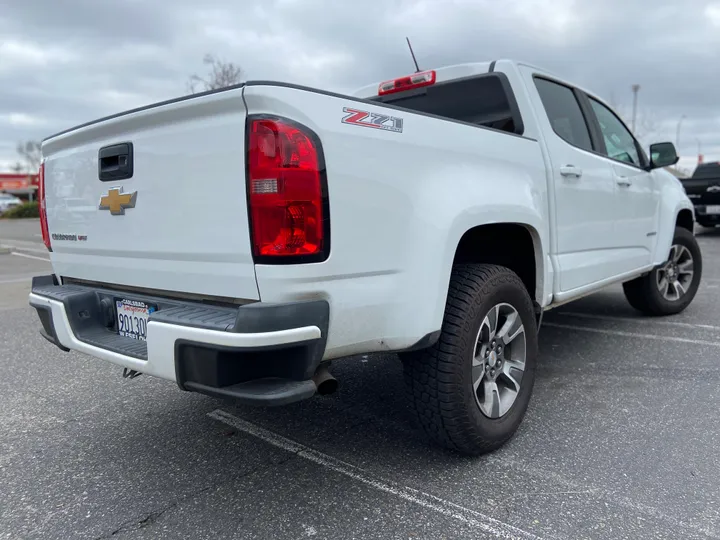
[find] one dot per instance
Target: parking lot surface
(621, 439)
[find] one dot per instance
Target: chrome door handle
(571, 170)
(623, 181)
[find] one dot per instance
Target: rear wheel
(470, 391)
(671, 286)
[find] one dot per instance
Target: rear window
(707, 170)
(485, 100)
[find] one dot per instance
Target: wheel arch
(514, 245)
(681, 215)
(685, 219)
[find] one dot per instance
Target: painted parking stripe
(29, 256)
(487, 524)
(631, 334)
(16, 280)
(638, 320)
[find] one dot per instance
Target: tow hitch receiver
(130, 373)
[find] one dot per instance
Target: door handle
(623, 181)
(571, 171)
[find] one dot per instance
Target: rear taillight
(416, 80)
(287, 192)
(43, 207)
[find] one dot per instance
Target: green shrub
(25, 210)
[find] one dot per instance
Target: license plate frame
(131, 317)
(712, 209)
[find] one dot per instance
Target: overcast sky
(64, 62)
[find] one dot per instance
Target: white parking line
(26, 246)
(447, 508)
(638, 320)
(29, 256)
(16, 280)
(31, 249)
(632, 334)
(607, 498)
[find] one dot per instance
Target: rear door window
(564, 112)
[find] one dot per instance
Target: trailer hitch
(130, 373)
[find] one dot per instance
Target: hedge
(25, 210)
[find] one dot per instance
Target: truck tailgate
(703, 190)
(178, 222)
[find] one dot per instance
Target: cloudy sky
(64, 62)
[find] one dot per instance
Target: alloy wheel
(498, 362)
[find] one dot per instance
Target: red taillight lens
(43, 208)
(286, 192)
(416, 80)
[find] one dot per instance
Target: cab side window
(564, 113)
(619, 142)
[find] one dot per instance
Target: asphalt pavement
(621, 440)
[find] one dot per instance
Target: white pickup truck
(237, 241)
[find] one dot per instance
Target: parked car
(7, 202)
(703, 189)
(436, 215)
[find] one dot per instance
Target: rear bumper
(702, 215)
(256, 354)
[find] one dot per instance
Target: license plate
(712, 209)
(132, 318)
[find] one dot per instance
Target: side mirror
(662, 155)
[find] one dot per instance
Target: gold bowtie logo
(117, 202)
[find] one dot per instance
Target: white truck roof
(456, 71)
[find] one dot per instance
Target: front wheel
(471, 389)
(671, 286)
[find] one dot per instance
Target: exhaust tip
(328, 387)
(326, 384)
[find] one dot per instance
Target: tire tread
(433, 376)
(642, 293)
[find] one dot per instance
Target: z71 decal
(372, 120)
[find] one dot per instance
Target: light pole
(677, 136)
(635, 89)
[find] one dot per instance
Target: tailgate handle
(115, 162)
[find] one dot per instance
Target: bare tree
(221, 75)
(31, 156)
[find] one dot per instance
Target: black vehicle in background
(703, 189)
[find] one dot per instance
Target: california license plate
(132, 318)
(712, 209)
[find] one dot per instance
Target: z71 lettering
(372, 120)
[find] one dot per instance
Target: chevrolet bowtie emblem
(117, 202)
